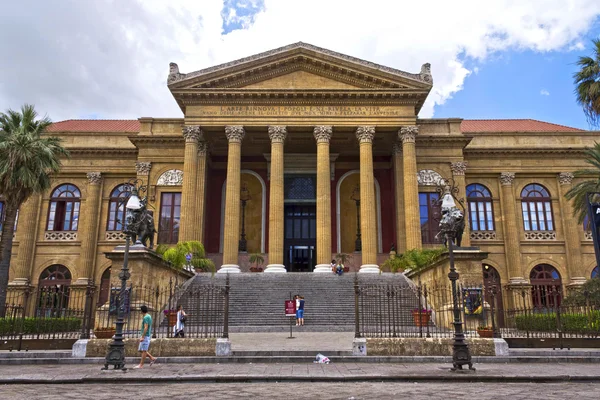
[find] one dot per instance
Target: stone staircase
(256, 302)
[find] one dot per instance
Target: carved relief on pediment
(428, 177)
(172, 177)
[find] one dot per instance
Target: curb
(464, 376)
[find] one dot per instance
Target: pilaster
(89, 234)
(399, 199)
(458, 169)
(571, 229)
(231, 234)
(407, 135)
(323, 136)
(29, 220)
(277, 134)
(192, 135)
(142, 169)
(365, 135)
(511, 232)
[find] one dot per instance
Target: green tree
(578, 193)
(178, 255)
(28, 158)
(587, 81)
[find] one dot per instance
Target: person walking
(178, 328)
(145, 338)
(300, 311)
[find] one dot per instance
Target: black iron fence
(529, 312)
(68, 312)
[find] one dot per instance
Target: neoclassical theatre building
(300, 153)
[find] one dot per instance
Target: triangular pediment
(300, 66)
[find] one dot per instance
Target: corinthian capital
(143, 167)
(507, 178)
(323, 133)
(565, 178)
(202, 148)
(365, 134)
(235, 133)
(397, 148)
(408, 133)
(277, 134)
(192, 133)
(94, 178)
(459, 167)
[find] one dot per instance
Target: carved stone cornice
(143, 168)
(565, 178)
(192, 133)
(459, 167)
(202, 148)
(323, 133)
(277, 133)
(94, 178)
(174, 74)
(235, 133)
(507, 178)
(365, 134)
(408, 133)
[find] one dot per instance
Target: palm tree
(578, 193)
(587, 81)
(27, 160)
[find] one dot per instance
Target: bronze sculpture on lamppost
(452, 226)
(356, 197)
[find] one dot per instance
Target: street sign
(290, 308)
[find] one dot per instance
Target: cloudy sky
(109, 58)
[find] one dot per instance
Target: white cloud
(544, 92)
(112, 60)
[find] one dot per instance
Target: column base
(322, 269)
(19, 282)
(369, 269)
(275, 268)
(518, 281)
(229, 269)
(576, 282)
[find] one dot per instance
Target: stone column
(231, 228)
(399, 194)
(571, 231)
(368, 219)
(411, 187)
(323, 136)
(277, 135)
(89, 234)
(458, 173)
(26, 234)
(511, 232)
(191, 134)
(200, 196)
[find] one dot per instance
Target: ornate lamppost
(450, 226)
(356, 197)
(244, 198)
(134, 210)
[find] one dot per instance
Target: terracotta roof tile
(96, 125)
(513, 125)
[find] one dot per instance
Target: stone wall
(425, 347)
(158, 347)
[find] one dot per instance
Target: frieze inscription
(298, 111)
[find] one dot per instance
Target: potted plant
(171, 316)
(342, 258)
(257, 259)
(421, 317)
(485, 331)
(105, 332)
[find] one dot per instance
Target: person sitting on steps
(339, 269)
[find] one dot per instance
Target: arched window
(63, 213)
(481, 214)
(546, 286)
(493, 292)
(595, 272)
(116, 207)
(53, 292)
(537, 208)
(104, 287)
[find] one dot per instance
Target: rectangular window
(430, 214)
(170, 211)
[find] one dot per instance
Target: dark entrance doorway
(300, 237)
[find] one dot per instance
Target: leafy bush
(414, 259)
(571, 322)
(32, 325)
(178, 256)
(587, 294)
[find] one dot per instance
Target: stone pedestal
(359, 347)
(468, 262)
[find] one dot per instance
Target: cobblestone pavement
(322, 391)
